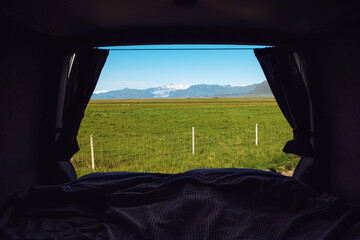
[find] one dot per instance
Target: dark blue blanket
(199, 204)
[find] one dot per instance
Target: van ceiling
(80, 18)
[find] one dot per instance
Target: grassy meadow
(155, 135)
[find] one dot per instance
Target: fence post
(193, 140)
(256, 134)
(92, 152)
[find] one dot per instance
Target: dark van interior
(313, 70)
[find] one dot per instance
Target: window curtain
(83, 73)
(282, 69)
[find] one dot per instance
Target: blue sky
(147, 68)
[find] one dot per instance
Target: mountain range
(261, 90)
(189, 91)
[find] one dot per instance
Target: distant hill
(171, 91)
(261, 90)
(125, 94)
(205, 90)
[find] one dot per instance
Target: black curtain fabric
(285, 79)
(81, 82)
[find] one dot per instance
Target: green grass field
(155, 135)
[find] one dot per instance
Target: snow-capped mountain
(164, 92)
(179, 91)
(101, 91)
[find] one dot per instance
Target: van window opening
(174, 108)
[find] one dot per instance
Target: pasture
(155, 135)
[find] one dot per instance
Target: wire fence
(171, 151)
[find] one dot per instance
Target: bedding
(199, 204)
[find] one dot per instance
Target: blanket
(199, 204)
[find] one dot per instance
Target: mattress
(199, 204)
